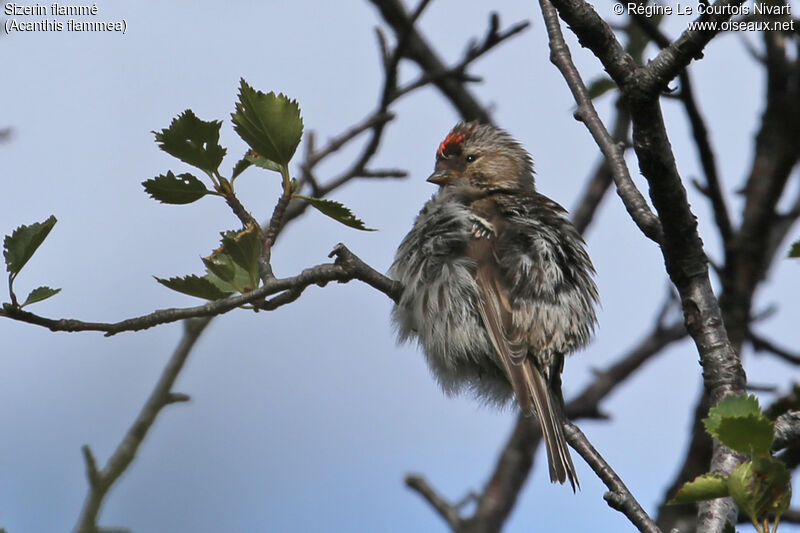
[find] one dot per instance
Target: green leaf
(244, 248)
(241, 280)
(737, 422)
(262, 162)
(731, 406)
(336, 211)
(40, 293)
(172, 189)
(600, 86)
(795, 250)
(702, 488)
(242, 165)
(193, 141)
(761, 487)
(220, 265)
(20, 246)
(752, 434)
(270, 124)
(194, 286)
(225, 273)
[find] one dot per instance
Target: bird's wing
(511, 348)
(495, 313)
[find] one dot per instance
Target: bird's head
(484, 157)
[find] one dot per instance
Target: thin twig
(601, 180)
(447, 511)
(419, 51)
(458, 71)
(239, 210)
(760, 344)
(618, 497)
(313, 157)
(383, 173)
(410, 44)
(587, 403)
(496, 500)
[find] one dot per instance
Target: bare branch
(596, 35)
(760, 344)
(618, 497)
(753, 246)
(177, 397)
(495, 502)
(313, 157)
(595, 190)
(239, 210)
(587, 403)
(383, 173)
(100, 481)
(500, 492)
(612, 150)
(674, 58)
(787, 430)
(681, 246)
(448, 512)
(419, 51)
(458, 71)
(712, 188)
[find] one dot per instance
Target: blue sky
(308, 418)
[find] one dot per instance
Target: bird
(497, 284)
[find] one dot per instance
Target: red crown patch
(453, 139)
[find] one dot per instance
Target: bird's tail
(551, 421)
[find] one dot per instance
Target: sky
(308, 418)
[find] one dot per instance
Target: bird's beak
(441, 177)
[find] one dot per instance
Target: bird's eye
(470, 158)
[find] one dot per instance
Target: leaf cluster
(231, 268)
(761, 487)
(18, 248)
(271, 125)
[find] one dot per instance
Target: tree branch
(595, 189)
(752, 247)
(586, 404)
(613, 151)
(449, 80)
(712, 188)
(496, 501)
(447, 511)
(760, 344)
(419, 51)
(787, 430)
(347, 267)
(618, 497)
(681, 246)
(595, 34)
(100, 481)
(674, 58)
